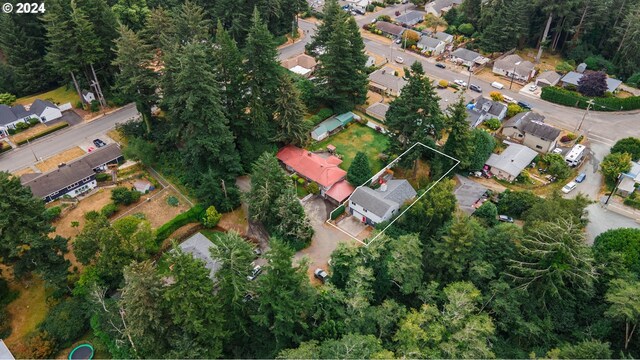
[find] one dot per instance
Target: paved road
(601, 220)
(308, 29)
(48, 146)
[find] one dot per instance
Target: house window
(538, 147)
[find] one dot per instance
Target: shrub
(632, 201)
(324, 113)
(570, 98)
(109, 209)
(36, 346)
(124, 196)
(12, 131)
(52, 213)
(516, 203)
(190, 216)
(493, 124)
(496, 96)
(211, 217)
(66, 322)
(94, 106)
(301, 181)
(565, 139)
(313, 188)
(173, 201)
(103, 177)
(466, 29)
(386, 18)
(79, 105)
(34, 121)
(22, 126)
(487, 213)
(443, 83)
(564, 67)
(7, 99)
(337, 212)
(513, 109)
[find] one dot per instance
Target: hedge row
(46, 132)
(337, 212)
(190, 216)
(322, 115)
(4, 147)
(571, 98)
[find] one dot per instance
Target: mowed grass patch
(61, 95)
(355, 138)
(27, 311)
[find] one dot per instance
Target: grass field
(61, 95)
(355, 138)
(27, 311)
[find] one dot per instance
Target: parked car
(374, 21)
(581, 177)
(99, 143)
(508, 99)
(569, 187)
(399, 60)
(532, 87)
(557, 151)
(398, 41)
(497, 85)
(460, 82)
(254, 273)
(320, 275)
(441, 65)
(524, 105)
(475, 88)
(505, 218)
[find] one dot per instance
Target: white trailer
(575, 156)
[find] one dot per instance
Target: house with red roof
(322, 170)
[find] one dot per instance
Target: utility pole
(469, 80)
(513, 74)
(590, 103)
(224, 188)
(33, 152)
(618, 181)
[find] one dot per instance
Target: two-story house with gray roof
(529, 129)
(375, 206)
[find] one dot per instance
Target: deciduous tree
(593, 83)
(624, 297)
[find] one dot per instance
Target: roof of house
(465, 54)
(386, 78)
(20, 112)
(412, 17)
(39, 106)
(429, 42)
(515, 63)
(389, 28)
(324, 171)
(495, 107)
(378, 110)
(5, 353)
(340, 191)
(440, 35)
(513, 159)
(379, 201)
(198, 246)
(85, 92)
(627, 185)
(551, 77)
(438, 5)
(6, 115)
(333, 123)
(52, 181)
(533, 123)
(302, 60)
(634, 173)
(573, 78)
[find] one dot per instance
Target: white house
(45, 110)
(468, 58)
(511, 162)
(440, 7)
(485, 109)
(432, 45)
(514, 67)
(375, 206)
(444, 37)
(88, 96)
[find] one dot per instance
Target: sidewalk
(616, 205)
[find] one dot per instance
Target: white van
(509, 99)
(497, 85)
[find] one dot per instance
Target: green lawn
(355, 138)
(61, 95)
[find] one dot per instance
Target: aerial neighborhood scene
(320, 179)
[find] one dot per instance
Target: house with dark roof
(485, 109)
(529, 129)
(323, 170)
(548, 78)
(431, 45)
(378, 111)
(45, 110)
(514, 67)
(411, 18)
(373, 206)
(75, 178)
(511, 162)
(468, 58)
(40, 109)
(384, 81)
(572, 78)
(390, 29)
(199, 247)
(440, 7)
(444, 37)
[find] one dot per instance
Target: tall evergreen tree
(289, 113)
(292, 224)
(415, 115)
(192, 100)
(330, 15)
(158, 28)
(341, 70)
(459, 144)
(359, 170)
(268, 182)
(284, 298)
(135, 79)
(131, 13)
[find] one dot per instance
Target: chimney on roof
(383, 187)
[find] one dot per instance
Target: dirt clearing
(63, 157)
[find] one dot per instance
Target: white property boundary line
(328, 221)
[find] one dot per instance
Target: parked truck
(575, 156)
